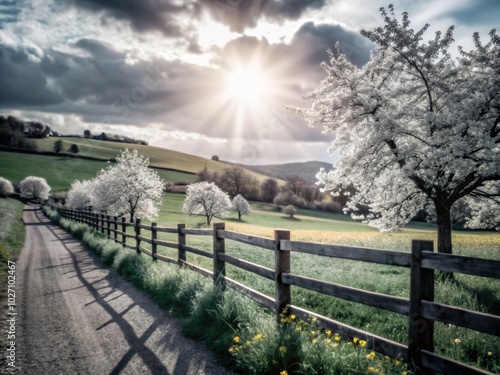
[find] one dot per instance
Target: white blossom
(128, 188)
(33, 187)
(6, 187)
(206, 199)
(80, 194)
(241, 206)
(413, 126)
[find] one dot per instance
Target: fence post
(153, 241)
(421, 330)
(219, 265)
(137, 234)
(124, 230)
(181, 241)
(282, 265)
(108, 226)
(115, 228)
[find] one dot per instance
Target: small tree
(205, 198)
(128, 188)
(290, 210)
(87, 133)
(6, 187)
(35, 188)
(57, 146)
(74, 149)
(241, 206)
(215, 158)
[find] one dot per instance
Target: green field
(474, 293)
(158, 157)
(60, 172)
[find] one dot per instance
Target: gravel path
(77, 316)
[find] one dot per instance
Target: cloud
(23, 82)
(165, 16)
(240, 14)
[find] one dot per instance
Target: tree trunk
(444, 229)
(209, 219)
(444, 234)
(239, 215)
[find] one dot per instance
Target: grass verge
(11, 242)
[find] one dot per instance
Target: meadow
(61, 171)
(470, 292)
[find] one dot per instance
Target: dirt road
(77, 316)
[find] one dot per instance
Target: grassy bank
(11, 237)
(475, 293)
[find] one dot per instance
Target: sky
(208, 77)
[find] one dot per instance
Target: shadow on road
(110, 283)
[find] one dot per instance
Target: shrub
(6, 187)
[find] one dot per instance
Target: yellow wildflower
(405, 373)
(314, 319)
(328, 341)
(373, 369)
(370, 356)
(284, 372)
(349, 343)
(457, 341)
(337, 338)
(313, 333)
(490, 354)
(397, 363)
(292, 317)
(335, 345)
(355, 340)
(258, 337)
(386, 359)
(362, 343)
(282, 349)
(237, 339)
(314, 341)
(328, 333)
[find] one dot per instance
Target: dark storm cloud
(22, 81)
(145, 15)
(314, 40)
(242, 14)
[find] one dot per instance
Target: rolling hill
(307, 170)
(60, 171)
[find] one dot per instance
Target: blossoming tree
(241, 206)
(33, 187)
(6, 187)
(80, 194)
(128, 188)
(414, 127)
(206, 199)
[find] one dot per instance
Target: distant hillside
(158, 157)
(307, 170)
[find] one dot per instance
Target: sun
(246, 85)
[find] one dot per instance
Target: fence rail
(420, 307)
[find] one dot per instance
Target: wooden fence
(420, 308)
